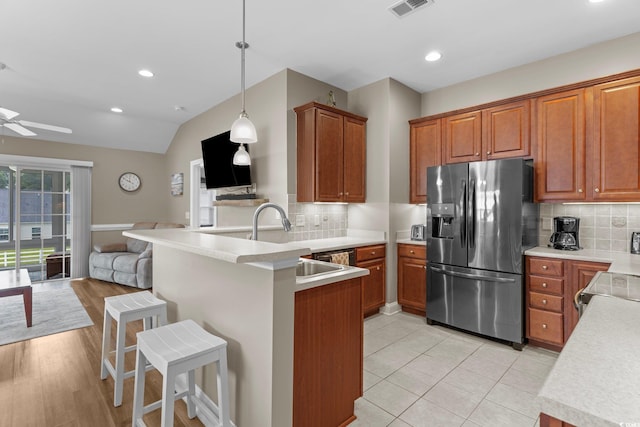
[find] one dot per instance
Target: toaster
(635, 242)
(418, 232)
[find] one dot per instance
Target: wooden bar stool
(173, 350)
(123, 309)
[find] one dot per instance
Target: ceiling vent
(406, 7)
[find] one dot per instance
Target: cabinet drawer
(546, 267)
(545, 302)
(369, 252)
(546, 326)
(412, 251)
(546, 284)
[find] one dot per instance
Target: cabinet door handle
(424, 266)
(544, 302)
(579, 190)
(544, 267)
(477, 154)
(597, 190)
(488, 152)
(544, 326)
(378, 268)
(339, 194)
(544, 285)
(346, 194)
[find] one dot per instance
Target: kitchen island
(596, 379)
(247, 293)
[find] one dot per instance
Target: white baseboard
(206, 409)
(391, 308)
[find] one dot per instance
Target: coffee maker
(565, 233)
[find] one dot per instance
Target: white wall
(603, 59)
(388, 105)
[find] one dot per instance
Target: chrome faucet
(285, 221)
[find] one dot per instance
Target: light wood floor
(55, 380)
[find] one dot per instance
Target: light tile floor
(420, 375)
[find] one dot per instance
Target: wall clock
(129, 181)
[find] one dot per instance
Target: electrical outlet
(187, 215)
(316, 220)
(547, 223)
(299, 220)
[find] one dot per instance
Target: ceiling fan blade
(43, 126)
(8, 114)
(19, 129)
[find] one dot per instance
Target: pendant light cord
(243, 46)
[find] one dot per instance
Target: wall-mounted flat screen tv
(219, 170)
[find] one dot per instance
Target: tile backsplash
(605, 227)
(331, 219)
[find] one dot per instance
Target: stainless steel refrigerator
(480, 219)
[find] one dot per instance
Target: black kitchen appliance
(635, 242)
(565, 233)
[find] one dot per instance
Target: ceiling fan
(18, 126)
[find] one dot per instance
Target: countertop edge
(621, 262)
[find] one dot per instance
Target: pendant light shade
(243, 131)
(241, 157)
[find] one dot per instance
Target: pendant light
(242, 130)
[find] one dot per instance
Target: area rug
(54, 311)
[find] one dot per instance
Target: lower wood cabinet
(372, 258)
(412, 278)
(548, 421)
(327, 354)
(551, 285)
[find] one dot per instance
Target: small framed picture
(177, 184)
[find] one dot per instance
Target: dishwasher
(341, 256)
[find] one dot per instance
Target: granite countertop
(621, 262)
(596, 379)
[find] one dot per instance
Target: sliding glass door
(35, 221)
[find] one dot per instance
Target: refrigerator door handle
(471, 217)
(472, 276)
(463, 222)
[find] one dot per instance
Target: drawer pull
(378, 268)
(411, 252)
(544, 302)
(425, 267)
(373, 252)
(544, 267)
(544, 285)
(544, 326)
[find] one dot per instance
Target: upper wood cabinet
(331, 144)
(425, 150)
(615, 141)
(498, 132)
(560, 135)
(506, 130)
(462, 137)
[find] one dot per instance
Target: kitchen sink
(311, 268)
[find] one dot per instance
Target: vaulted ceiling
(69, 61)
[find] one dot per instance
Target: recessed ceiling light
(116, 109)
(596, 1)
(145, 73)
(432, 56)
